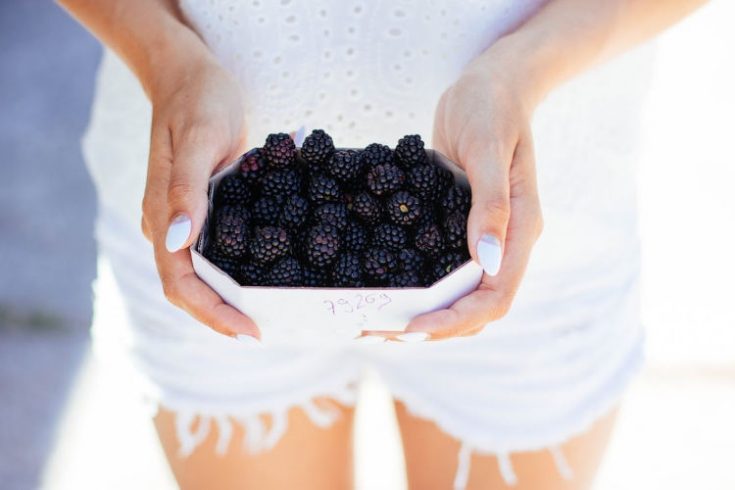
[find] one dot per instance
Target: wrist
(522, 66)
(171, 57)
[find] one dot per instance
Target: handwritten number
(386, 300)
(330, 306)
(346, 304)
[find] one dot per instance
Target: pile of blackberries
(326, 217)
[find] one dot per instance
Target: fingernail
(490, 254)
(371, 339)
(299, 135)
(249, 340)
(413, 337)
(178, 232)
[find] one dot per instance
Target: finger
(195, 157)
(488, 174)
(183, 288)
(494, 296)
(160, 159)
(468, 315)
(180, 283)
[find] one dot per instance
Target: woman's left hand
(483, 123)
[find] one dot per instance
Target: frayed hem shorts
(530, 381)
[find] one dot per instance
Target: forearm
(149, 35)
(567, 36)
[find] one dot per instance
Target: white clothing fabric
(373, 71)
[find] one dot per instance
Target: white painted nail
(178, 232)
(299, 136)
(413, 337)
(490, 254)
(371, 339)
(249, 340)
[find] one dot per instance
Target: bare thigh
(431, 459)
(306, 457)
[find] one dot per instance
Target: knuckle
(539, 224)
(144, 228)
(199, 130)
(180, 192)
(498, 207)
(504, 305)
(146, 207)
(170, 291)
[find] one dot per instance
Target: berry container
(300, 315)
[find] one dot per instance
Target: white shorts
(517, 386)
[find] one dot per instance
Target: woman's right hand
(198, 125)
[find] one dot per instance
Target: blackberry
(279, 150)
(429, 215)
(266, 211)
(323, 188)
(354, 238)
(410, 151)
(386, 178)
(375, 154)
(366, 207)
(226, 264)
(348, 198)
(345, 166)
(314, 278)
(429, 240)
(389, 236)
(286, 272)
(269, 243)
(403, 208)
(410, 260)
(444, 178)
(252, 165)
(251, 274)
(281, 183)
(231, 230)
(347, 272)
(294, 212)
(331, 213)
(409, 279)
(317, 147)
(446, 264)
(457, 199)
(424, 182)
(378, 264)
(455, 230)
(322, 245)
(232, 189)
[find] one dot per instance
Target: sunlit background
(67, 421)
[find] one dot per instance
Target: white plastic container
(323, 315)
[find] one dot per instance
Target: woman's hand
(197, 126)
(483, 123)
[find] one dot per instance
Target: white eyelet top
(361, 70)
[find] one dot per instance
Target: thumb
(487, 223)
(187, 192)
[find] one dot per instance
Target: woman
(528, 400)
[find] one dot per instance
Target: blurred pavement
(47, 209)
